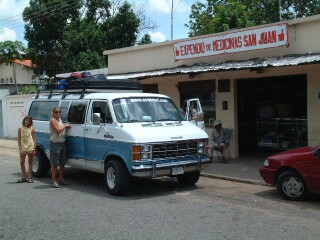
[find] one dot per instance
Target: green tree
(146, 39)
(70, 35)
(46, 22)
(122, 28)
(298, 8)
(223, 15)
(9, 51)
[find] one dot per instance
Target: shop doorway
(281, 127)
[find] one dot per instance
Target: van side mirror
(96, 118)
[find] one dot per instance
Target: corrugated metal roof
(282, 61)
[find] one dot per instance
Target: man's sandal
(30, 180)
(54, 185)
(64, 182)
(22, 180)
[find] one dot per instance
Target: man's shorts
(58, 153)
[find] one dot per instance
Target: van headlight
(266, 163)
(141, 152)
(201, 147)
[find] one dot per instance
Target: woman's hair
(24, 119)
(53, 110)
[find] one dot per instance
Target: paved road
(154, 209)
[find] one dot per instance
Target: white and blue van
(122, 133)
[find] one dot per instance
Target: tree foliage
(46, 22)
(146, 39)
(70, 35)
(122, 29)
(222, 15)
(10, 50)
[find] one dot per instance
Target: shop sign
(253, 39)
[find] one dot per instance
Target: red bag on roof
(76, 75)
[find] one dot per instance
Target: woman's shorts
(27, 152)
(58, 153)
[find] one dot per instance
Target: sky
(159, 11)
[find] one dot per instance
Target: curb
(233, 179)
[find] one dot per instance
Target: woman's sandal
(54, 185)
(30, 180)
(64, 182)
(22, 180)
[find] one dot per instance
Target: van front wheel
(189, 178)
(117, 179)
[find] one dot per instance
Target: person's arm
(19, 139)
(194, 115)
(56, 127)
(33, 133)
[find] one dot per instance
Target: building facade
(22, 71)
(236, 75)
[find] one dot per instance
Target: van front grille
(174, 150)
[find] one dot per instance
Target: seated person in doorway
(218, 139)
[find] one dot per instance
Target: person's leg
(61, 172)
(63, 160)
(30, 160)
(54, 174)
(54, 161)
(22, 165)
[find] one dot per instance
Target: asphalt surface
(242, 169)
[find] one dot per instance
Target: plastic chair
(225, 153)
(228, 133)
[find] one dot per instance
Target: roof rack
(92, 85)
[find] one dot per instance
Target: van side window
(102, 108)
(64, 105)
(77, 112)
(42, 110)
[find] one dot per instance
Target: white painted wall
(23, 74)
(14, 108)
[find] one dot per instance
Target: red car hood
(292, 154)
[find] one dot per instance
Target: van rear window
(42, 110)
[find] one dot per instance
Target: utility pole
(280, 10)
(171, 20)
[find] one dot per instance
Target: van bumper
(160, 168)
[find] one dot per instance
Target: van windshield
(146, 109)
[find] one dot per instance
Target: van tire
(41, 165)
(117, 178)
(189, 179)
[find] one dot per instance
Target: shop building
(236, 74)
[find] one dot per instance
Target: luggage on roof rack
(99, 83)
(90, 85)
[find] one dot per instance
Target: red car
(295, 173)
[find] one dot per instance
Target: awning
(256, 63)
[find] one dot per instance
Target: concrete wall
(23, 74)
(14, 108)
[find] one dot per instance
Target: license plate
(177, 170)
